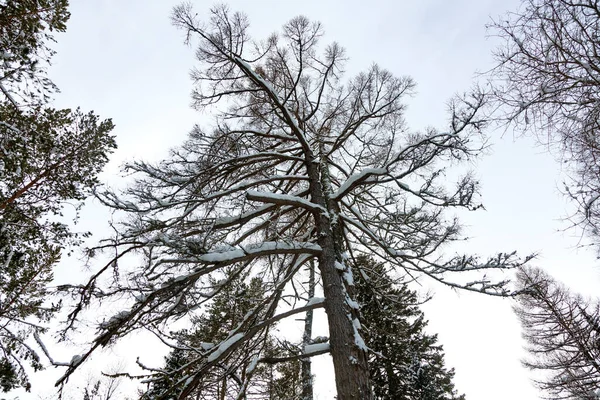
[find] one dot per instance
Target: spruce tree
(227, 310)
(405, 363)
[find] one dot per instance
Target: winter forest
(303, 201)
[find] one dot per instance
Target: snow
(206, 345)
(359, 342)
(115, 319)
(316, 348)
(256, 76)
(284, 199)
(11, 127)
(349, 277)
(339, 266)
(75, 360)
(181, 278)
(222, 256)
(315, 300)
(141, 298)
(258, 249)
(396, 253)
(252, 365)
(358, 177)
(224, 346)
(8, 259)
(250, 183)
(353, 304)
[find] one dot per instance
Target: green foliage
(48, 159)
(221, 316)
(227, 311)
(405, 363)
(9, 378)
(26, 27)
(285, 382)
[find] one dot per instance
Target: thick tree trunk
(307, 379)
(349, 361)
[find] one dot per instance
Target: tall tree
(562, 331)
(547, 81)
(307, 377)
(300, 165)
(49, 158)
(405, 363)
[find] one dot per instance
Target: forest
(324, 200)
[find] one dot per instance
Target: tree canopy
(50, 159)
(546, 82)
(562, 331)
(300, 164)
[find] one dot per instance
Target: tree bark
(349, 362)
(307, 379)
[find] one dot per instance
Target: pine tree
(26, 28)
(405, 363)
(48, 158)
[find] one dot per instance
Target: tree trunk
(307, 380)
(349, 362)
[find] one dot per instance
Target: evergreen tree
(26, 28)
(223, 315)
(48, 158)
(405, 363)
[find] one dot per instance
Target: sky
(125, 61)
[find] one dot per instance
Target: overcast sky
(124, 60)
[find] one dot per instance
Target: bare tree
(300, 166)
(547, 81)
(563, 335)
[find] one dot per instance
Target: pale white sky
(124, 60)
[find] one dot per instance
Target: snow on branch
(240, 219)
(356, 180)
(40, 343)
(284, 199)
(244, 253)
